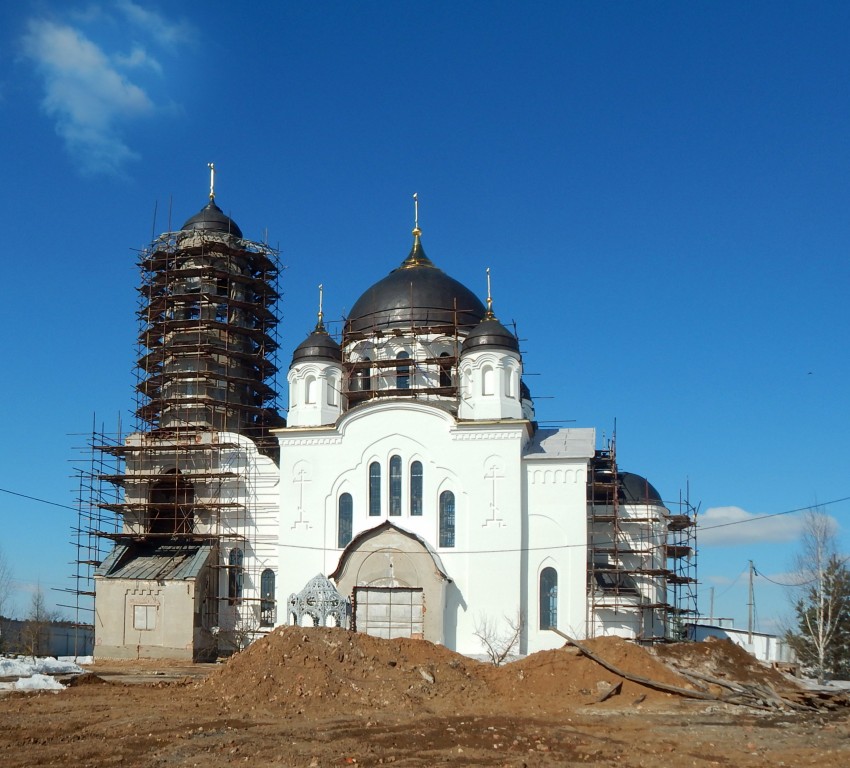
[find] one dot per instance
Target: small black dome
(212, 219)
(635, 489)
(415, 294)
(317, 346)
(490, 334)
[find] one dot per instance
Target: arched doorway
(172, 505)
(397, 584)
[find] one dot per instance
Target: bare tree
(5, 593)
(5, 583)
(821, 599)
(36, 630)
(499, 641)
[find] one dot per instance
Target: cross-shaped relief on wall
(493, 473)
(301, 476)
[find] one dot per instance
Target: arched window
(344, 520)
(333, 385)
(402, 373)
(395, 486)
(447, 519)
(548, 598)
(267, 598)
(487, 383)
(416, 488)
(374, 489)
(363, 377)
(509, 383)
(310, 389)
(234, 575)
(445, 371)
(172, 507)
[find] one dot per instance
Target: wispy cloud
(161, 29)
(729, 526)
(92, 92)
(138, 58)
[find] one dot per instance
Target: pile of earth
(297, 671)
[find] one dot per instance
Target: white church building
(410, 491)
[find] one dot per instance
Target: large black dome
(416, 294)
(212, 219)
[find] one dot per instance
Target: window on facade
(332, 390)
(548, 598)
(234, 575)
(402, 373)
(374, 489)
(310, 385)
(487, 376)
(509, 383)
(144, 617)
(267, 598)
(416, 488)
(363, 377)
(172, 505)
(447, 519)
(616, 582)
(445, 372)
(345, 514)
(395, 486)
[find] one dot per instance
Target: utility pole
(751, 606)
(711, 605)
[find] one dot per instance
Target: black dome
(490, 334)
(317, 346)
(212, 219)
(635, 489)
(415, 294)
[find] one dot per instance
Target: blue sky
(661, 191)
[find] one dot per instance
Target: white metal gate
(389, 611)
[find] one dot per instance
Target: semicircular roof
(416, 294)
(636, 489)
(490, 334)
(319, 345)
(212, 219)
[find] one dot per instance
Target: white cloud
(138, 58)
(164, 31)
(728, 526)
(85, 94)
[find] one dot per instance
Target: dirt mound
(723, 660)
(344, 672)
(86, 678)
(564, 678)
(340, 672)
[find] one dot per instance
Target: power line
(774, 514)
(35, 498)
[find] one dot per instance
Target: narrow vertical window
(310, 390)
(445, 372)
(374, 489)
(364, 376)
(402, 373)
(234, 575)
(447, 519)
(267, 598)
(548, 598)
(344, 521)
(509, 383)
(395, 486)
(332, 388)
(416, 488)
(487, 376)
